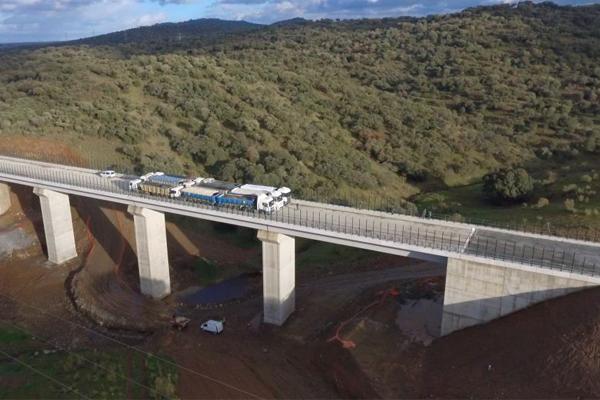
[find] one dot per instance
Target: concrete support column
(58, 225)
(4, 198)
(279, 276)
(152, 253)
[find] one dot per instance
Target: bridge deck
(393, 233)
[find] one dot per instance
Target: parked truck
(196, 194)
(280, 196)
(134, 184)
(215, 197)
(266, 199)
(216, 184)
(155, 188)
(159, 184)
(283, 192)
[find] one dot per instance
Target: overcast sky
(45, 20)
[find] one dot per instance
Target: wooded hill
(388, 106)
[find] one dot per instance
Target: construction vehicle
(179, 322)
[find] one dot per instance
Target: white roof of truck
(246, 191)
(201, 191)
(259, 187)
(268, 189)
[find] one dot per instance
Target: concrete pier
(152, 253)
(279, 276)
(58, 225)
(4, 198)
(480, 292)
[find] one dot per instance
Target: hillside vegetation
(393, 106)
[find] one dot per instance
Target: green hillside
(392, 106)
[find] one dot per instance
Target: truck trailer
(215, 197)
(158, 183)
(215, 184)
(155, 188)
(196, 194)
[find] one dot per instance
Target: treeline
(329, 107)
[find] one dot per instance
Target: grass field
(557, 185)
(30, 368)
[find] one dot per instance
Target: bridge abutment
(279, 276)
(58, 225)
(478, 292)
(152, 253)
(4, 198)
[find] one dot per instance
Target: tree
(508, 185)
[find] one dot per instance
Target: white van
(212, 326)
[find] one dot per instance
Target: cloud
(35, 20)
(165, 2)
(274, 10)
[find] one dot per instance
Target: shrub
(570, 205)
(542, 202)
(586, 178)
(592, 144)
(508, 185)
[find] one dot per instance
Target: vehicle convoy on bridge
(266, 199)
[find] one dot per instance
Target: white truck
(279, 197)
(212, 326)
(134, 184)
(283, 193)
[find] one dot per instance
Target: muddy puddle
(421, 319)
(225, 291)
(12, 241)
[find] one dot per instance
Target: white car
(109, 173)
(212, 326)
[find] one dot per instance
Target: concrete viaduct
(490, 272)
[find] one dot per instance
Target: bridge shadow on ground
(105, 231)
(29, 204)
(107, 287)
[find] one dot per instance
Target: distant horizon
(43, 21)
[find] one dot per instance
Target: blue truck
(214, 197)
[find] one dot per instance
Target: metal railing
(372, 203)
(404, 208)
(391, 230)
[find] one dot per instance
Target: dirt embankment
(42, 149)
(32, 291)
(550, 350)
(106, 287)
